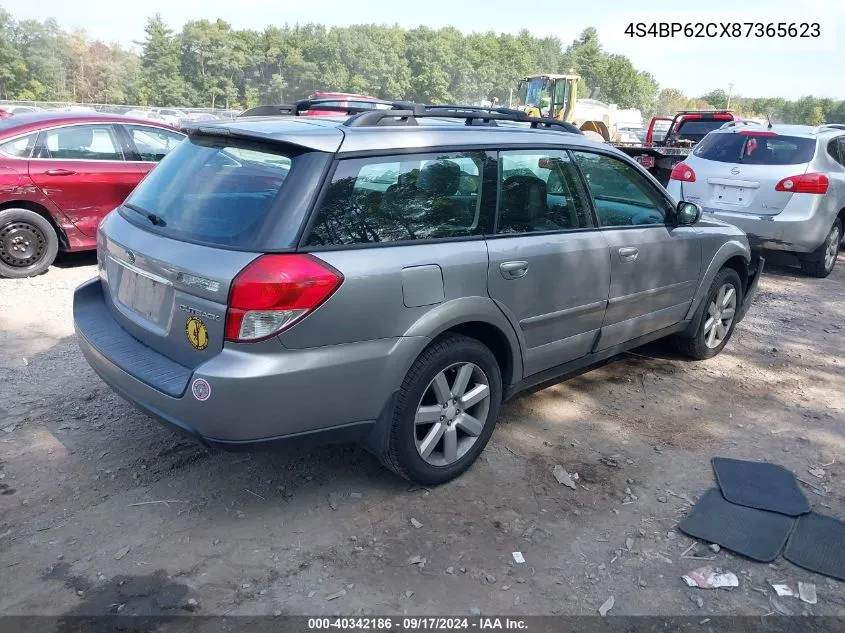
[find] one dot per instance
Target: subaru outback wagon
(392, 277)
(784, 185)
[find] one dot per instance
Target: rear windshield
(756, 149)
(696, 129)
(211, 190)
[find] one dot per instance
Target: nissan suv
(392, 277)
(783, 184)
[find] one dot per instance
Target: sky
(788, 68)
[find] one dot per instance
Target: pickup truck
(670, 139)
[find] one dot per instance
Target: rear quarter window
(756, 149)
(213, 191)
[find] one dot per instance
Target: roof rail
(408, 113)
(832, 126)
(736, 122)
(298, 108)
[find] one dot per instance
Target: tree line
(210, 64)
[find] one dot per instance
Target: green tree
(12, 67)
(716, 98)
(162, 83)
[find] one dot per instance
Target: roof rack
(298, 108)
(408, 113)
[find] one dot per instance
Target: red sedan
(61, 173)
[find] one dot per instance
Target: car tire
(425, 419)
(28, 243)
(820, 263)
(707, 343)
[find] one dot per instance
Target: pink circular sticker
(201, 389)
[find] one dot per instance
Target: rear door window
(81, 142)
(402, 198)
(540, 191)
(756, 149)
(153, 144)
(212, 191)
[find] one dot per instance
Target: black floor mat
(760, 485)
(818, 544)
(757, 534)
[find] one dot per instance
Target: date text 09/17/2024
(422, 623)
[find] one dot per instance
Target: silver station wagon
(392, 277)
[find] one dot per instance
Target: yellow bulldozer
(555, 96)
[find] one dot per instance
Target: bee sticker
(197, 333)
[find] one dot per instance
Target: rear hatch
(168, 256)
(741, 171)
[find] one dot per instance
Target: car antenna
(769, 119)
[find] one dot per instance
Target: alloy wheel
(720, 316)
(831, 248)
(452, 413)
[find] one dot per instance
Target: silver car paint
(775, 220)
(341, 364)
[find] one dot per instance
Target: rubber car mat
(818, 544)
(760, 485)
(756, 534)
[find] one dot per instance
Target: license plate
(732, 195)
(646, 161)
(141, 294)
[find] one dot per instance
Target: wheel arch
(478, 318)
(43, 212)
(732, 254)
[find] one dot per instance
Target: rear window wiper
(155, 220)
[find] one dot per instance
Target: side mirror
(687, 213)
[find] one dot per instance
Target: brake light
(274, 292)
(755, 133)
(723, 117)
(805, 183)
(682, 172)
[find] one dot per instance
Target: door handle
(628, 253)
(59, 172)
(513, 270)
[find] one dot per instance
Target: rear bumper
(322, 394)
(799, 228)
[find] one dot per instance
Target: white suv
(784, 185)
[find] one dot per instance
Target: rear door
(738, 172)
(81, 168)
(549, 268)
(654, 266)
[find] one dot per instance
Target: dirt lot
(101, 507)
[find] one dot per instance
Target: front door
(81, 168)
(549, 269)
(654, 265)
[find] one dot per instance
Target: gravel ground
(104, 511)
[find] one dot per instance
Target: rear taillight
(682, 172)
(805, 183)
(276, 291)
